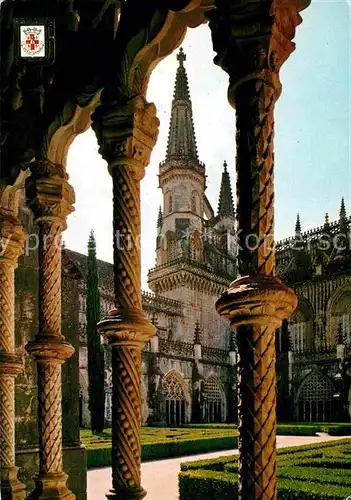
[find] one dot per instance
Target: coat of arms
(32, 41)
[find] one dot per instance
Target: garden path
(160, 478)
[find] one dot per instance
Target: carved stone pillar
(252, 42)
(126, 134)
(11, 247)
(51, 198)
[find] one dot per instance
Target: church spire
(181, 137)
(225, 202)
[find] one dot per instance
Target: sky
(312, 135)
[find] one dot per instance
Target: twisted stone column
(126, 134)
(252, 43)
(11, 247)
(51, 198)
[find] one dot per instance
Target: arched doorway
(175, 400)
(314, 402)
(214, 400)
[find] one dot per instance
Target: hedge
(303, 474)
(160, 443)
(291, 429)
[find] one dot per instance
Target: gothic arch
(314, 398)
(214, 405)
(301, 326)
(339, 313)
(195, 245)
(195, 202)
(176, 398)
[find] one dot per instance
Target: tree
(95, 349)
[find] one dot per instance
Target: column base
(51, 486)
(126, 494)
(11, 487)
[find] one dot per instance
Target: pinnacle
(342, 212)
(225, 202)
(197, 333)
(159, 217)
(298, 229)
(326, 220)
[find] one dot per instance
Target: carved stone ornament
(127, 133)
(252, 41)
(264, 300)
(49, 194)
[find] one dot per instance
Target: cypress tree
(95, 349)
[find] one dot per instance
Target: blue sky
(312, 134)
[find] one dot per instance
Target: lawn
(312, 472)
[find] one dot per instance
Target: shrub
(312, 472)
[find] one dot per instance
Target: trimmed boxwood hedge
(302, 474)
(291, 429)
(158, 443)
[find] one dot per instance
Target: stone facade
(189, 368)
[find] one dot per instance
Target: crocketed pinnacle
(298, 225)
(159, 217)
(342, 214)
(181, 137)
(326, 221)
(225, 202)
(197, 333)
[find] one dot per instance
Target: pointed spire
(298, 229)
(159, 217)
(181, 137)
(197, 333)
(225, 202)
(326, 221)
(342, 213)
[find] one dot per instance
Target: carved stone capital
(53, 350)
(262, 300)
(49, 193)
(11, 238)
(253, 40)
(128, 328)
(126, 133)
(10, 364)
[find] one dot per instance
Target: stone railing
(214, 354)
(157, 303)
(176, 348)
(312, 355)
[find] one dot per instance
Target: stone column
(126, 134)
(51, 198)
(11, 247)
(252, 42)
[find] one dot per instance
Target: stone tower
(194, 261)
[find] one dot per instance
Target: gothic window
(301, 327)
(175, 400)
(195, 202)
(213, 405)
(315, 399)
(195, 246)
(341, 314)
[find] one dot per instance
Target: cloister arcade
(105, 53)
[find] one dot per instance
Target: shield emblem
(32, 41)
